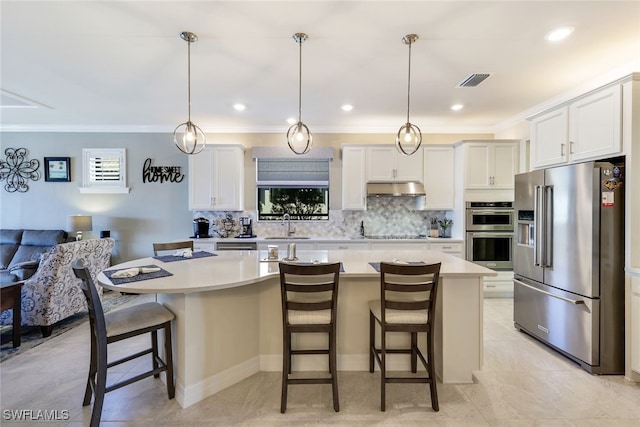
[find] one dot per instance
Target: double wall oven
(490, 233)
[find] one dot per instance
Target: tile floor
(523, 383)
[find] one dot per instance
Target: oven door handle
(489, 234)
(486, 211)
(572, 301)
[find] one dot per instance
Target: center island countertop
(229, 269)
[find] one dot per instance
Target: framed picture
(57, 169)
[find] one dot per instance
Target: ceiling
(121, 65)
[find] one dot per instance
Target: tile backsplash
(384, 216)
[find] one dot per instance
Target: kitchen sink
(286, 237)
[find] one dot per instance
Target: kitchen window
(299, 187)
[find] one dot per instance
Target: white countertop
(238, 268)
(337, 239)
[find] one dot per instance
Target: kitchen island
(228, 315)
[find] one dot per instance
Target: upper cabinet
(216, 179)
(354, 180)
(490, 165)
(439, 177)
(588, 128)
(385, 163)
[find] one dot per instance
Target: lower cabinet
(454, 249)
(362, 246)
(500, 286)
(283, 246)
(207, 247)
(635, 324)
(398, 246)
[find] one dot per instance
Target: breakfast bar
(228, 314)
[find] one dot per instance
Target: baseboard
(216, 383)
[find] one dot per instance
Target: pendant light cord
(409, 82)
(300, 81)
(189, 76)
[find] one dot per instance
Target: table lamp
(79, 223)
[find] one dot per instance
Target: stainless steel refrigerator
(569, 261)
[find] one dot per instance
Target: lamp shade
(79, 223)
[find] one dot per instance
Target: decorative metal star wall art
(17, 170)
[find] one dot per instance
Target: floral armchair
(53, 293)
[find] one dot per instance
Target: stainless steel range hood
(395, 189)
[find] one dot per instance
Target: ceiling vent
(473, 80)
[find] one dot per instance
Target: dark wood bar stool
(118, 325)
(309, 305)
(158, 247)
(407, 304)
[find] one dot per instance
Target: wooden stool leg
(168, 351)
(333, 369)
(154, 352)
(414, 352)
(383, 368)
(286, 368)
(372, 341)
(432, 373)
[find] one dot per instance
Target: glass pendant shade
(299, 137)
(409, 136)
(408, 139)
(188, 137)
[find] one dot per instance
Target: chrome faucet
(286, 217)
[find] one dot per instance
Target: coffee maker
(200, 228)
(246, 229)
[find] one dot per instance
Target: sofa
(50, 292)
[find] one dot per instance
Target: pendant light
(298, 133)
(188, 137)
(409, 134)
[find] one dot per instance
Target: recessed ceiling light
(559, 34)
(239, 107)
(457, 107)
(347, 107)
(291, 121)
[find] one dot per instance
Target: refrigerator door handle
(537, 219)
(569, 300)
(548, 225)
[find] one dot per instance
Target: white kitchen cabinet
(216, 179)
(635, 324)
(399, 246)
(595, 125)
(283, 245)
(549, 138)
(500, 286)
(587, 128)
(439, 178)
(454, 249)
(200, 246)
(385, 163)
(354, 178)
(359, 246)
(490, 165)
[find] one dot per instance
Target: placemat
(376, 265)
(171, 258)
(139, 277)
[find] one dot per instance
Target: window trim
(113, 187)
